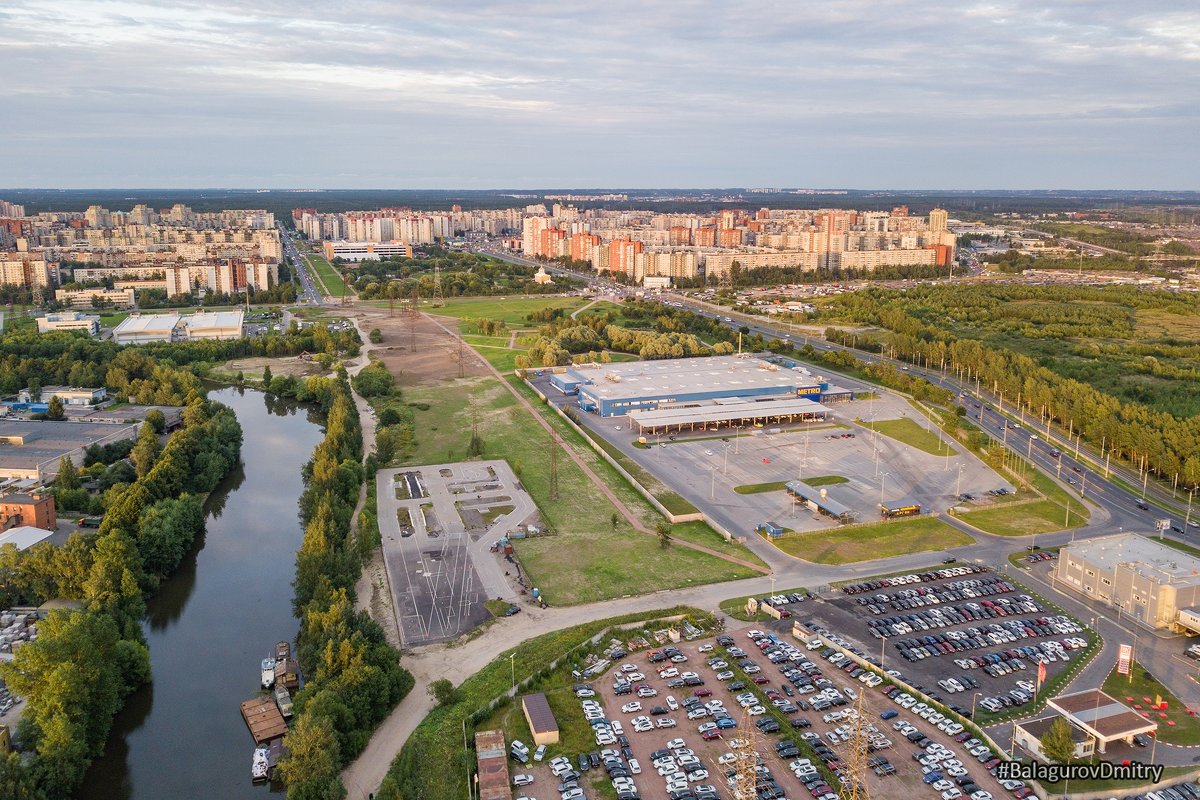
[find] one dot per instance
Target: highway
(308, 287)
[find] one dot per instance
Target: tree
(68, 476)
(55, 409)
(444, 692)
(266, 379)
(1058, 745)
(310, 769)
(146, 451)
(663, 530)
(158, 420)
(376, 336)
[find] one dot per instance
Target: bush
(374, 380)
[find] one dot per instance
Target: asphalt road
(308, 287)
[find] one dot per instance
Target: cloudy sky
(619, 93)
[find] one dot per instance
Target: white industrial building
(363, 251)
(69, 321)
(143, 328)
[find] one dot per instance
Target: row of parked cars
(913, 577)
(921, 596)
(947, 616)
(995, 634)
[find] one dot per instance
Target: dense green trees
(1077, 354)
(84, 662)
(374, 380)
(355, 677)
(145, 451)
(463, 274)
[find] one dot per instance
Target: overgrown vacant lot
(588, 558)
(512, 310)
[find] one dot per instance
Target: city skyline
(128, 94)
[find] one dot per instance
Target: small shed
(541, 720)
(771, 529)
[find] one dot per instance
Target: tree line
(354, 677)
(938, 326)
(463, 274)
(75, 676)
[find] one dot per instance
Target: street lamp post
(512, 663)
(883, 476)
(712, 486)
(958, 485)
(974, 697)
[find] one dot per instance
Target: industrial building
(143, 328)
(1155, 585)
(31, 449)
(734, 413)
(69, 321)
(27, 510)
(616, 389)
(69, 395)
(24, 537)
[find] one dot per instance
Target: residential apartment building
(93, 298)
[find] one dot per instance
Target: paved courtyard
(438, 524)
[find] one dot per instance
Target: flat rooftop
(214, 319)
(726, 411)
(1102, 714)
(27, 443)
(1140, 554)
(687, 375)
(813, 493)
(148, 323)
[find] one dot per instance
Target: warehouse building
(31, 450)
(492, 763)
(143, 328)
(1155, 585)
(541, 720)
(616, 389)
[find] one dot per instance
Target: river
(209, 625)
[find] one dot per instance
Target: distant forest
(282, 202)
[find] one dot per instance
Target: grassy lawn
(758, 488)
(736, 607)
(1041, 516)
(512, 310)
(912, 434)
(1185, 731)
(113, 320)
(326, 275)
(826, 480)
(476, 340)
(869, 542)
(588, 558)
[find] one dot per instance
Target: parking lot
(963, 634)
(670, 723)
(705, 467)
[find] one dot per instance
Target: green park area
(591, 552)
(911, 433)
(778, 486)
(847, 545)
(1041, 506)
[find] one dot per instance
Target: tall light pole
(883, 476)
(712, 485)
(974, 697)
(513, 666)
(958, 486)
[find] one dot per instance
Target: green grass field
(909, 432)
(511, 310)
(758, 488)
(326, 275)
(588, 558)
(1185, 731)
(869, 542)
(826, 480)
(1041, 516)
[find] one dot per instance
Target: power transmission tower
(554, 468)
(413, 315)
(438, 299)
(854, 785)
(746, 763)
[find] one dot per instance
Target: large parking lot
(670, 723)
(705, 467)
(964, 634)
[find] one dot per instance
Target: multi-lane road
(308, 286)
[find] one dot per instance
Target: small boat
(283, 699)
(267, 676)
(283, 650)
(260, 766)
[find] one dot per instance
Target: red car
(759, 679)
(703, 693)
(708, 736)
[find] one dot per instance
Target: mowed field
(869, 542)
(326, 275)
(513, 311)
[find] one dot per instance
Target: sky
(476, 94)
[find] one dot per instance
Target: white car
(669, 672)
(756, 711)
(676, 743)
(672, 703)
(635, 767)
(705, 648)
(665, 722)
(524, 779)
(727, 758)
(630, 708)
